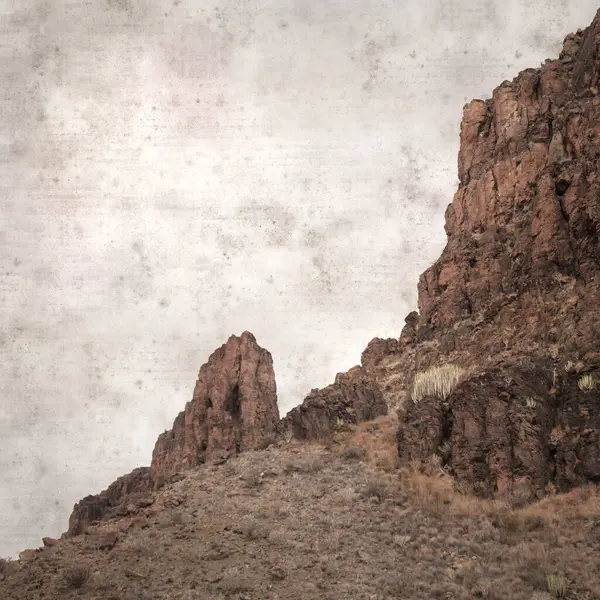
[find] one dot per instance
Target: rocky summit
(233, 409)
(459, 460)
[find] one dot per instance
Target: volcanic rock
(353, 397)
(524, 226)
(233, 409)
(110, 501)
(515, 296)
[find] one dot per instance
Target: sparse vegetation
(586, 383)
(354, 453)
(307, 464)
(557, 585)
(253, 478)
(554, 349)
(325, 525)
(437, 381)
(233, 582)
(375, 488)
(76, 575)
(252, 529)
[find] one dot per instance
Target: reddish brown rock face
(520, 425)
(524, 226)
(353, 398)
(97, 507)
(233, 408)
(515, 294)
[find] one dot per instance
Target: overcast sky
(176, 172)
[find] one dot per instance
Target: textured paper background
(176, 172)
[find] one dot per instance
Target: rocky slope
(300, 522)
(514, 299)
(233, 409)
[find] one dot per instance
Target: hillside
(303, 521)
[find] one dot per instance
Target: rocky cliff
(354, 397)
(131, 487)
(233, 408)
(497, 376)
(513, 303)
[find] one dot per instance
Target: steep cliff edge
(514, 299)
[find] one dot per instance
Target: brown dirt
(326, 522)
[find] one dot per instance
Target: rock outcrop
(233, 408)
(134, 488)
(515, 295)
(353, 397)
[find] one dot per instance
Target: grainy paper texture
(176, 172)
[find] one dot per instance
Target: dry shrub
(354, 453)
(532, 559)
(252, 530)
(468, 573)
(483, 589)
(386, 459)
(376, 488)
(280, 537)
(431, 494)
(76, 575)
(512, 525)
(313, 464)
(557, 585)
(307, 464)
(578, 503)
(375, 442)
(437, 381)
(233, 582)
(104, 581)
(253, 478)
(344, 496)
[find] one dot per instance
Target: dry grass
(557, 585)
(328, 524)
(76, 576)
(437, 381)
(375, 442)
(586, 383)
